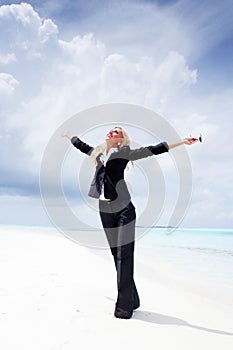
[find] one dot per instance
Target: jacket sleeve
(82, 146)
(143, 152)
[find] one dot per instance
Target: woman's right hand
(190, 140)
(66, 134)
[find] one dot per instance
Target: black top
(112, 174)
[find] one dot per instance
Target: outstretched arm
(143, 152)
(162, 147)
(187, 141)
(82, 146)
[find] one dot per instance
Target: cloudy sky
(59, 58)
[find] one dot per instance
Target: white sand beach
(56, 294)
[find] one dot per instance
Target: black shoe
(120, 313)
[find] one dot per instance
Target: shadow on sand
(153, 317)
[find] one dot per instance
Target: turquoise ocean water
(204, 255)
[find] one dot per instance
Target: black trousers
(119, 227)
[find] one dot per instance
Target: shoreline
(46, 227)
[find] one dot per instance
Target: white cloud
(8, 58)
(22, 13)
(174, 70)
(8, 84)
(47, 30)
(144, 81)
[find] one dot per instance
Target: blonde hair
(102, 147)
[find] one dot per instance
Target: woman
(117, 212)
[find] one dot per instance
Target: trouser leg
(120, 232)
(125, 277)
(135, 297)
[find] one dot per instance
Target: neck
(109, 146)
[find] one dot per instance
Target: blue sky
(174, 57)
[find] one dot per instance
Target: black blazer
(112, 174)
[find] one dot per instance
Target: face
(114, 134)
